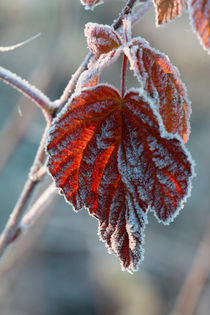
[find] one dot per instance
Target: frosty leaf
(101, 39)
(113, 156)
(91, 76)
(199, 11)
(162, 82)
(87, 79)
(166, 10)
(91, 4)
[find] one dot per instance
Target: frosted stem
(27, 89)
(127, 10)
(72, 83)
(142, 11)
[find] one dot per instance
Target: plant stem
(72, 83)
(12, 229)
(142, 11)
(123, 75)
(9, 48)
(127, 10)
(27, 89)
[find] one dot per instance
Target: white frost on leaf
(101, 38)
(199, 13)
(113, 156)
(167, 10)
(161, 81)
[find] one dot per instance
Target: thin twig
(127, 10)
(142, 11)
(72, 83)
(12, 230)
(9, 48)
(16, 226)
(27, 89)
(196, 278)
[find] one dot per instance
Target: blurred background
(60, 267)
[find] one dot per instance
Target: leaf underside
(199, 11)
(101, 39)
(110, 155)
(162, 82)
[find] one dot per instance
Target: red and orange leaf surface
(167, 10)
(162, 82)
(91, 4)
(101, 39)
(113, 156)
(199, 11)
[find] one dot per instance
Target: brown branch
(196, 278)
(27, 89)
(127, 10)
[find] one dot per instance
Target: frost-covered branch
(12, 47)
(126, 10)
(142, 11)
(27, 89)
(72, 83)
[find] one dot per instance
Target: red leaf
(113, 156)
(162, 82)
(101, 39)
(91, 4)
(166, 10)
(199, 11)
